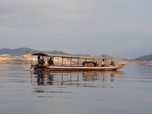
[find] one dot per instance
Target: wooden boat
(85, 66)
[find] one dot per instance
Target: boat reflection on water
(44, 78)
(83, 79)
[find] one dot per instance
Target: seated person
(50, 62)
(103, 63)
(112, 63)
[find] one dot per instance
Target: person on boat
(103, 63)
(112, 63)
(50, 62)
(41, 62)
(38, 58)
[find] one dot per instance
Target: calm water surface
(127, 91)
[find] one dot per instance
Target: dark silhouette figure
(50, 62)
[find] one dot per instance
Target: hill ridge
(23, 50)
(145, 57)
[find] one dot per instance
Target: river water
(127, 91)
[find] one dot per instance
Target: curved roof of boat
(63, 56)
(40, 54)
(68, 56)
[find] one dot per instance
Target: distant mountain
(145, 57)
(134, 53)
(21, 51)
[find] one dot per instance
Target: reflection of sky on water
(127, 91)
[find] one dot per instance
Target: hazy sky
(92, 27)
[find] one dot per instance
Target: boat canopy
(68, 56)
(76, 57)
(39, 54)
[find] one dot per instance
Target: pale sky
(94, 27)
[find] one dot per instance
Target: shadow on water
(75, 79)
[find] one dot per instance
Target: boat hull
(76, 68)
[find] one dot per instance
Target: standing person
(41, 62)
(103, 63)
(38, 57)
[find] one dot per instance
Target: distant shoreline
(26, 59)
(142, 62)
